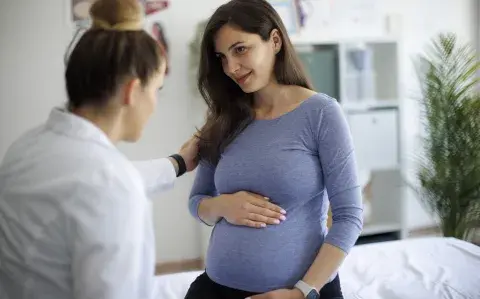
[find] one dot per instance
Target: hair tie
(123, 26)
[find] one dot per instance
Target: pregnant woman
(271, 150)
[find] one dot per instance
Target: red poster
(154, 6)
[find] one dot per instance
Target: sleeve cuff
(194, 206)
(166, 175)
(343, 241)
(159, 175)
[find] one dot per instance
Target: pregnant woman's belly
(261, 260)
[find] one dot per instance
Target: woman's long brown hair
(229, 108)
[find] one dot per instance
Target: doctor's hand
(249, 209)
(189, 153)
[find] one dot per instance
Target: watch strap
(182, 166)
(305, 288)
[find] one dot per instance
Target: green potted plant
(449, 162)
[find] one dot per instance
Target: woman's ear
(276, 40)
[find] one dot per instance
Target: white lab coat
(75, 221)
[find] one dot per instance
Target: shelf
(306, 39)
(361, 73)
(380, 228)
(385, 216)
(368, 71)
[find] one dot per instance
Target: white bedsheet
(425, 268)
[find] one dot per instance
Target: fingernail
(283, 212)
(276, 221)
(263, 225)
(266, 198)
(283, 218)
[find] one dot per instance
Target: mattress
(422, 268)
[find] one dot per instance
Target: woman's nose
(231, 66)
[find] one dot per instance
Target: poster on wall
(343, 18)
(289, 13)
(154, 24)
(158, 34)
(153, 6)
(79, 13)
(79, 10)
(79, 16)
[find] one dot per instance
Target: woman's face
(246, 58)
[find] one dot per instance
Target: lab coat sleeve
(108, 232)
(158, 175)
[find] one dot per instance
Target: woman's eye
(240, 50)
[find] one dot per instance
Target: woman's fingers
(266, 215)
(262, 219)
(254, 224)
(263, 202)
(256, 211)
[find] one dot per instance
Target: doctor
(74, 215)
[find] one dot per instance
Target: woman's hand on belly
(249, 209)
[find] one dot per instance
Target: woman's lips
(243, 79)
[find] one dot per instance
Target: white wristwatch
(308, 291)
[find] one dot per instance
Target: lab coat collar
(64, 122)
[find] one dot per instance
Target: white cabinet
(375, 136)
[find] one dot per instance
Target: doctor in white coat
(75, 220)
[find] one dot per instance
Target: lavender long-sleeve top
(295, 160)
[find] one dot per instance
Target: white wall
(33, 37)
(31, 64)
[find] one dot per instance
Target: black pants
(204, 288)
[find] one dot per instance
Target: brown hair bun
(121, 15)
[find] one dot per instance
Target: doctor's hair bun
(120, 15)
(115, 49)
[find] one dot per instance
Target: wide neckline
(299, 106)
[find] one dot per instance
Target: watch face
(313, 295)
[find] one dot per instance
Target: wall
(31, 64)
(33, 37)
